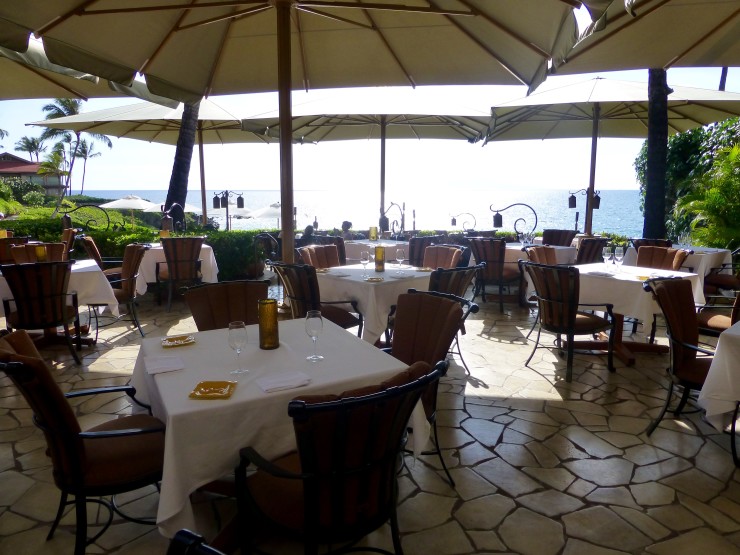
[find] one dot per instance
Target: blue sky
(429, 165)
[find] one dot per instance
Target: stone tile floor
(542, 467)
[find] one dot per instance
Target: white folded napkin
(162, 363)
(284, 380)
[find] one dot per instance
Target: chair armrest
(694, 347)
(130, 390)
(348, 301)
(121, 433)
(248, 455)
(609, 307)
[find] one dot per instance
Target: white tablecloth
(374, 300)
(624, 290)
(204, 437)
(701, 261)
(721, 389)
(90, 283)
(147, 270)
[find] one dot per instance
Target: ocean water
(619, 212)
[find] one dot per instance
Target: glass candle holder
(40, 253)
(380, 259)
(267, 314)
(164, 233)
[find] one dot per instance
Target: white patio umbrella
(186, 208)
(604, 108)
(188, 49)
(642, 34)
(161, 124)
(129, 202)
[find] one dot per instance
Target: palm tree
(34, 146)
(54, 164)
(85, 151)
(62, 107)
(3, 134)
(178, 189)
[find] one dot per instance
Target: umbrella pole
(383, 125)
(204, 219)
(587, 228)
(282, 8)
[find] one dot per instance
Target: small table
(624, 290)
(88, 280)
(721, 390)
(374, 299)
(204, 437)
(148, 268)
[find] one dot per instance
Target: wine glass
(314, 325)
(364, 260)
(606, 254)
(618, 256)
(400, 257)
(237, 341)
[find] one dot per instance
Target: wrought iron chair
(663, 258)
(338, 242)
(542, 255)
(417, 246)
(558, 289)
(124, 288)
(441, 256)
(111, 266)
(590, 249)
(69, 236)
(558, 237)
(713, 319)
(676, 300)
(341, 484)
(214, 305)
(643, 242)
(302, 289)
(725, 276)
(39, 252)
(117, 456)
(181, 266)
(320, 256)
(41, 301)
(496, 272)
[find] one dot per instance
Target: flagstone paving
(542, 467)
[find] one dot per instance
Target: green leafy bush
(34, 198)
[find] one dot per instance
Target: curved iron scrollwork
(498, 220)
(401, 225)
(168, 222)
(465, 222)
(67, 219)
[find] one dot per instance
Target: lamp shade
(240, 201)
(167, 222)
(66, 221)
(596, 201)
(216, 202)
(498, 220)
(572, 201)
(453, 223)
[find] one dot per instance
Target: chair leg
(396, 536)
(536, 344)
(439, 454)
(169, 295)
(501, 298)
(682, 402)
(653, 328)
(458, 352)
(60, 511)
(536, 319)
(569, 364)
(70, 345)
(81, 525)
(655, 423)
(134, 316)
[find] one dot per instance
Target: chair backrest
(338, 242)
(91, 248)
(320, 256)
(417, 246)
(557, 289)
(182, 255)
(214, 305)
(5, 245)
(558, 237)
(493, 253)
(133, 254)
(676, 299)
(637, 243)
(590, 249)
(301, 287)
(663, 258)
(186, 542)
(441, 256)
(52, 412)
(542, 255)
(68, 238)
(39, 293)
(32, 252)
(454, 280)
(348, 447)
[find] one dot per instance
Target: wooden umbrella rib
(384, 7)
(83, 11)
(170, 33)
(327, 15)
(702, 39)
(296, 18)
(241, 14)
(39, 73)
(78, 10)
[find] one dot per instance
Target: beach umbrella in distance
(381, 114)
(642, 34)
(150, 122)
(129, 202)
(186, 208)
(603, 108)
(188, 49)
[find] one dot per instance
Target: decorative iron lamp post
(67, 219)
(594, 205)
(498, 219)
(465, 223)
(402, 210)
(167, 223)
(221, 200)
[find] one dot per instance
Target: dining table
(353, 249)
(204, 434)
(623, 287)
(155, 253)
(700, 261)
(375, 295)
(90, 283)
(721, 390)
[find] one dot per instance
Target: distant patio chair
(182, 256)
(590, 249)
(496, 272)
(558, 237)
(39, 252)
(214, 305)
